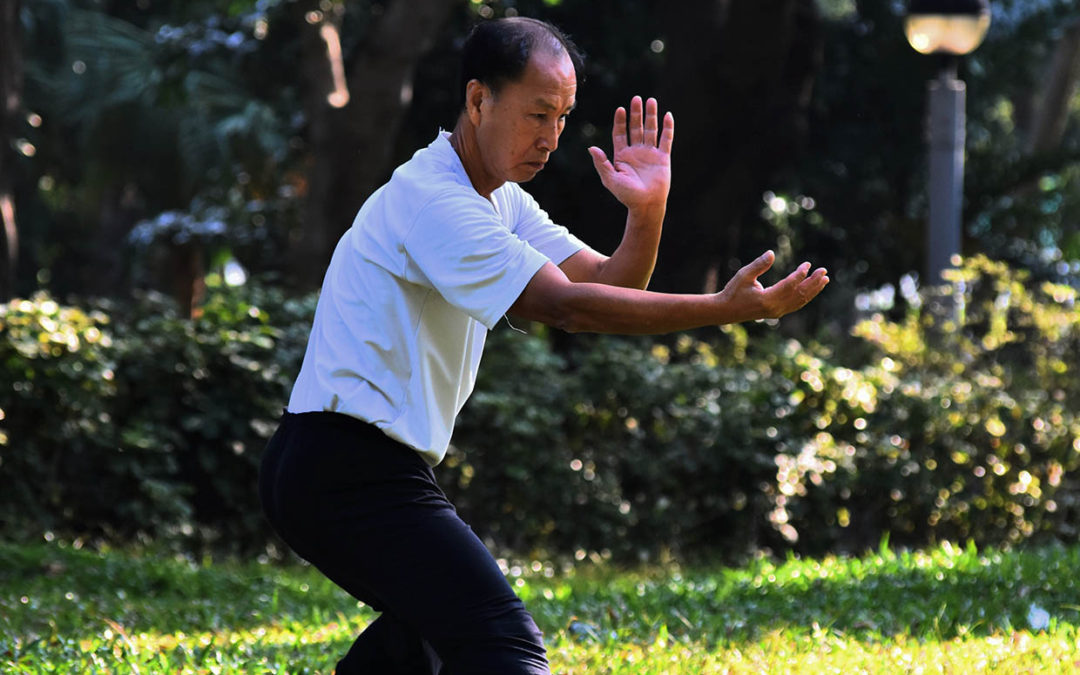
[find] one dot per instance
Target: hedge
(955, 416)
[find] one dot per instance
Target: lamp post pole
(949, 28)
(946, 189)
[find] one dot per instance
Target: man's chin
(528, 172)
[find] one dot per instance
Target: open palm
(639, 172)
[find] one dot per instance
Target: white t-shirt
(428, 266)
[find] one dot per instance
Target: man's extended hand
(751, 300)
(639, 173)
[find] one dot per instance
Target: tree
(195, 113)
(1060, 86)
(1023, 179)
(353, 117)
(11, 67)
(286, 115)
(149, 117)
(739, 73)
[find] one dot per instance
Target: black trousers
(367, 512)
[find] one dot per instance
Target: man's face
(520, 126)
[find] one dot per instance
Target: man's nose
(549, 138)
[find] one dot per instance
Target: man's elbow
(563, 315)
(556, 310)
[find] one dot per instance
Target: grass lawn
(948, 610)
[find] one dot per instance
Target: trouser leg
(367, 512)
(435, 577)
(389, 645)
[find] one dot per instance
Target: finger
(618, 131)
(601, 164)
(813, 284)
(668, 134)
(819, 279)
(798, 275)
(636, 131)
(651, 122)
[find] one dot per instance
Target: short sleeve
(464, 251)
(532, 224)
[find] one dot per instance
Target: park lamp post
(949, 28)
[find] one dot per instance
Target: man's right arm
(551, 298)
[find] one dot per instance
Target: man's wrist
(733, 309)
(647, 212)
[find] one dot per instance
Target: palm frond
(113, 63)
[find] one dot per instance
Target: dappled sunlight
(117, 639)
(822, 650)
(941, 594)
(948, 609)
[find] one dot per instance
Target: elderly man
(433, 260)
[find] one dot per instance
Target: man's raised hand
(639, 172)
(750, 300)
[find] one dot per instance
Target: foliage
(68, 608)
(58, 369)
(973, 430)
(954, 418)
(953, 415)
(202, 398)
(146, 111)
(149, 424)
(655, 452)
(149, 108)
(1021, 204)
(865, 162)
(958, 420)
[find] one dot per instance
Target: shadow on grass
(47, 589)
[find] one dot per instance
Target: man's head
(519, 77)
(496, 52)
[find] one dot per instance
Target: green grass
(948, 610)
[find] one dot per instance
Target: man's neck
(463, 140)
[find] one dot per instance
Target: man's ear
(476, 92)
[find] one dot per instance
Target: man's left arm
(639, 176)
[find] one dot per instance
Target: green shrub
(58, 375)
(508, 469)
(976, 429)
(956, 418)
(632, 448)
(154, 427)
(199, 398)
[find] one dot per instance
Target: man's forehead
(549, 104)
(556, 61)
(553, 73)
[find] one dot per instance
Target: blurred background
(174, 176)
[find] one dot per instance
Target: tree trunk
(187, 266)
(1043, 112)
(1060, 87)
(352, 145)
(11, 67)
(739, 73)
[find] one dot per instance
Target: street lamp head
(946, 26)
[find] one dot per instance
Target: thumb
(760, 265)
(601, 163)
